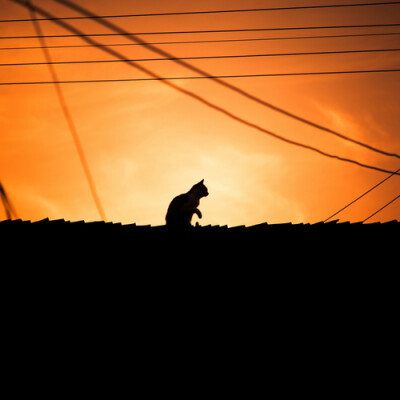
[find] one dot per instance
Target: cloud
(341, 122)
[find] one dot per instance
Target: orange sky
(146, 143)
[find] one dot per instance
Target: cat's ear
(201, 181)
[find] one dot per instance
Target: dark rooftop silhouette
(321, 253)
(262, 228)
(301, 233)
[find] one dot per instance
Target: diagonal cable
(199, 98)
(8, 207)
(360, 197)
(67, 114)
(376, 212)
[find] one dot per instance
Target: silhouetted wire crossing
(202, 72)
(199, 98)
(124, 33)
(313, 53)
(206, 12)
(69, 119)
(206, 41)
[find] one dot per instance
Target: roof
(113, 231)
(84, 251)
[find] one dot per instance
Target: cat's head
(200, 189)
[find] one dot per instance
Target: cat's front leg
(198, 212)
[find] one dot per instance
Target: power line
(68, 117)
(196, 31)
(8, 207)
(206, 74)
(206, 12)
(376, 212)
(223, 83)
(315, 53)
(205, 41)
(206, 102)
(360, 197)
(197, 77)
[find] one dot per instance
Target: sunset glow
(145, 142)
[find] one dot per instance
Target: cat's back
(178, 201)
(175, 209)
(176, 205)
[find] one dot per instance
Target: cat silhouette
(182, 207)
